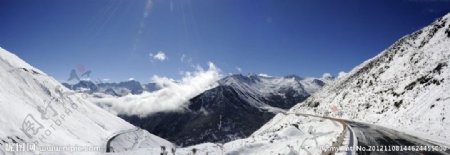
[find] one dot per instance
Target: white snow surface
(406, 87)
(285, 134)
(134, 139)
(35, 108)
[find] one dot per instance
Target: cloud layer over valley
(173, 95)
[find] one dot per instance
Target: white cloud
(341, 74)
(173, 96)
(264, 75)
(327, 76)
(160, 56)
(130, 79)
(239, 69)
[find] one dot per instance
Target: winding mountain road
(370, 140)
(118, 133)
(377, 140)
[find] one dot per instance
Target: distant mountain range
(114, 89)
(234, 109)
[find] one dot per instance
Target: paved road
(351, 142)
(373, 135)
(369, 135)
(108, 143)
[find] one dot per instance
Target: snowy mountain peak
(15, 62)
(296, 77)
(114, 89)
(446, 17)
(327, 76)
(267, 85)
(238, 78)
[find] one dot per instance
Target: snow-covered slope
(406, 87)
(285, 134)
(35, 108)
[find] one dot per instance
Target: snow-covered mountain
(267, 92)
(115, 89)
(35, 108)
(234, 109)
(406, 87)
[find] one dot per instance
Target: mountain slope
(405, 87)
(232, 110)
(268, 92)
(287, 134)
(35, 108)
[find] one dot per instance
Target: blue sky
(115, 38)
